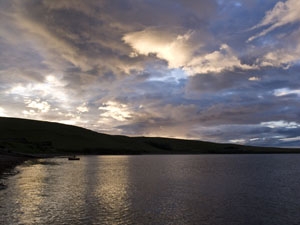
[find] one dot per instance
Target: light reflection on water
(108, 189)
(186, 189)
(90, 191)
(31, 188)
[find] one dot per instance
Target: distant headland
(23, 139)
(40, 137)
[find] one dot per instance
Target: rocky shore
(8, 162)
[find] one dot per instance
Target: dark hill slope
(40, 136)
(31, 136)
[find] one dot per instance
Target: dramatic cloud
(172, 47)
(216, 62)
(224, 71)
(183, 51)
(282, 14)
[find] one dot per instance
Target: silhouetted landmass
(44, 138)
(8, 162)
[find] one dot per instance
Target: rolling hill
(40, 137)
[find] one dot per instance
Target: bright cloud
(172, 47)
(53, 87)
(180, 51)
(283, 13)
(2, 112)
(41, 106)
(279, 54)
(291, 139)
(29, 113)
(116, 111)
(254, 79)
(238, 141)
(283, 57)
(281, 124)
(216, 61)
(286, 91)
(82, 108)
(167, 68)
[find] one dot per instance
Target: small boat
(73, 158)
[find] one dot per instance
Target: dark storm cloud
(264, 79)
(238, 99)
(198, 69)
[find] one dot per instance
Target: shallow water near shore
(152, 189)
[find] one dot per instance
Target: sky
(222, 71)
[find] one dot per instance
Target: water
(181, 189)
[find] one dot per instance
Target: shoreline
(9, 162)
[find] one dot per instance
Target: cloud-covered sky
(222, 71)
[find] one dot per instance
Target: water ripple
(206, 189)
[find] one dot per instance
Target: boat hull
(72, 158)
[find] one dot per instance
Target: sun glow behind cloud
(174, 48)
(2, 112)
(180, 51)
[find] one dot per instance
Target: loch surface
(155, 189)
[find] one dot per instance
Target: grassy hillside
(30, 136)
